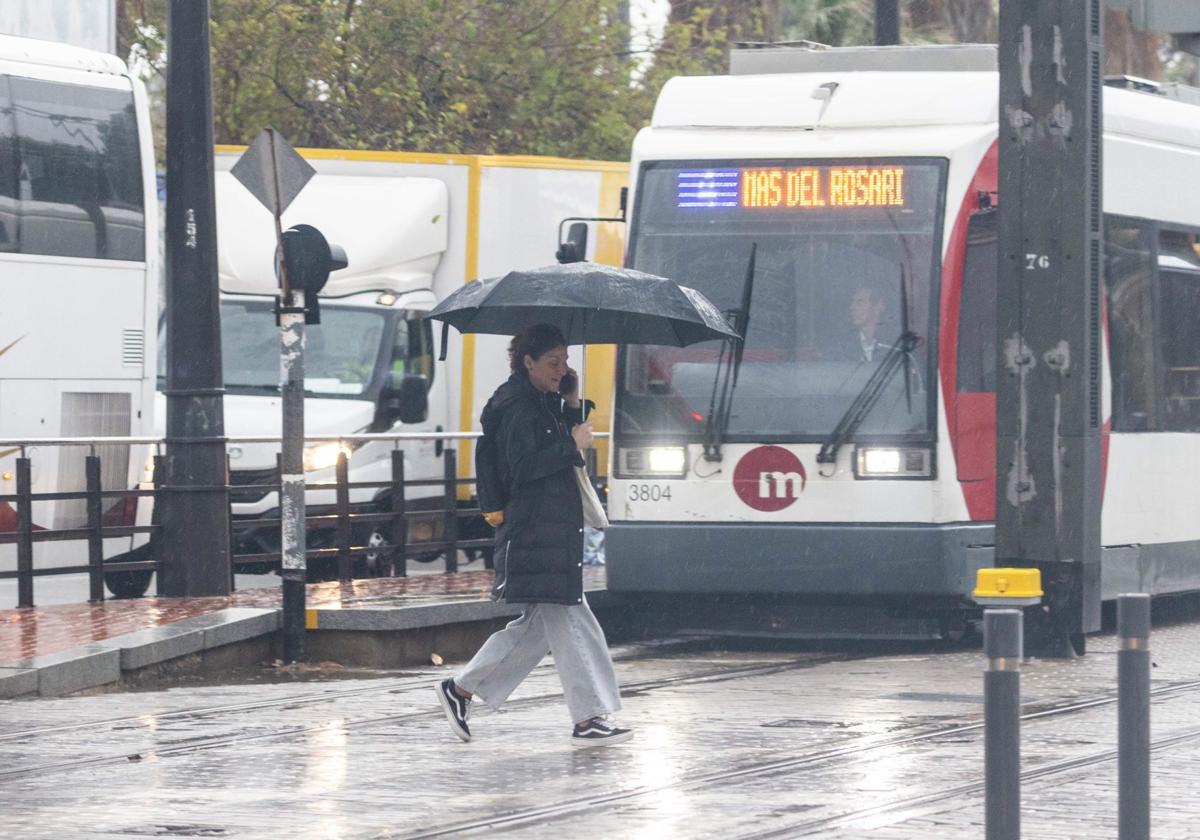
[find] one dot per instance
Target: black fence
(444, 526)
(96, 530)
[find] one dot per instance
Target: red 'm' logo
(769, 478)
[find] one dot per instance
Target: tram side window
(1179, 291)
(977, 311)
(1129, 274)
(77, 170)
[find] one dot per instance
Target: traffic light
(310, 259)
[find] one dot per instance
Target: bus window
(1179, 290)
(977, 322)
(78, 171)
(1127, 275)
(8, 173)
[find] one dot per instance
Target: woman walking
(536, 421)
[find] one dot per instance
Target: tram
(844, 208)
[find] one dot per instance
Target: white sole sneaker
(451, 718)
(606, 741)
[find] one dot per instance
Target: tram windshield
(836, 240)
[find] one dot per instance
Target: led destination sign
(799, 188)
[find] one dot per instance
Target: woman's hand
(583, 436)
(569, 388)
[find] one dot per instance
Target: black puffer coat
(539, 546)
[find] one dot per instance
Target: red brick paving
(25, 633)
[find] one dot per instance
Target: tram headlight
(663, 461)
(892, 462)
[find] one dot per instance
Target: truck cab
(369, 363)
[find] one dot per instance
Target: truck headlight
(324, 455)
(892, 462)
(664, 461)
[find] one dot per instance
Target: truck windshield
(834, 241)
(340, 354)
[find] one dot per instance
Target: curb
(101, 663)
(417, 616)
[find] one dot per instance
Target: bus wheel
(132, 584)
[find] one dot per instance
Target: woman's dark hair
(534, 341)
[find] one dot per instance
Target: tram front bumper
(846, 559)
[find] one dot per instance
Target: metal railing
(393, 507)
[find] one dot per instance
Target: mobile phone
(567, 384)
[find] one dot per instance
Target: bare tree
(958, 21)
(971, 21)
(1129, 52)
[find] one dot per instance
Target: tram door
(975, 418)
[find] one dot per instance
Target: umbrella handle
(445, 340)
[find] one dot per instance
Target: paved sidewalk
(740, 745)
(28, 633)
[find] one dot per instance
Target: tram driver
(859, 341)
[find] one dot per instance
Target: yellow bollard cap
(1008, 587)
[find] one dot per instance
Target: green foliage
(485, 76)
(549, 77)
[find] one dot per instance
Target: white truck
(414, 227)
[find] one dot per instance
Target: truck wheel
(376, 563)
(131, 584)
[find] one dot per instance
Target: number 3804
(648, 492)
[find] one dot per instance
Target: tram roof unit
(794, 88)
(53, 54)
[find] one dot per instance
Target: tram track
(918, 806)
(864, 749)
(157, 752)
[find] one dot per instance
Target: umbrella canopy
(590, 303)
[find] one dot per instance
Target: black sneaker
(597, 733)
(456, 708)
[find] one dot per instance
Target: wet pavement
(730, 743)
(39, 631)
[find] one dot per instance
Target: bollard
(1000, 591)
(1002, 644)
(1133, 717)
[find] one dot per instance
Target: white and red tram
(868, 196)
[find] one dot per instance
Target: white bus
(79, 270)
(869, 184)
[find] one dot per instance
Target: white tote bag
(593, 510)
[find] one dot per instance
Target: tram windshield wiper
(729, 364)
(899, 355)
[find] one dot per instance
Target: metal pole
(1002, 644)
(342, 472)
(94, 525)
(24, 532)
(450, 522)
(196, 497)
(887, 22)
(1133, 716)
(399, 516)
(293, 535)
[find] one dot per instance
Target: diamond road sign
(270, 157)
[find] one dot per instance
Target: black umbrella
(590, 303)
